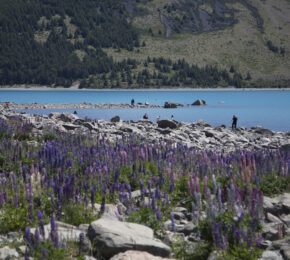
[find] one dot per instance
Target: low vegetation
(45, 179)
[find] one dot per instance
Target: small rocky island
(73, 188)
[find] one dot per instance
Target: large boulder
(172, 105)
(167, 123)
(199, 102)
(112, 237)
(65, 117)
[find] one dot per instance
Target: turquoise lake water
(267, 108)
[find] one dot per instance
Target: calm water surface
(270, 109)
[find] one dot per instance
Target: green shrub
(274, 185)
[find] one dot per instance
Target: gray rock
(167, 123)
(285, 251)
(199, 102)
(271, 231)
(85, 244)
(87, 257)
(202, 123)
(271, 255)
(110, 211)
(189, 228)
(276, 245)
(164, 131)
(89, 125)
(12, 235)
(65, 117)
(286, 147)
(213, 256)
(66, 232)
(178, 215)
(172, 105)
(8, 253)
(136, 255)
(286, 219)
(209, 133)
(115, 119)
(220, 128)
(261, 130)
(112, 237)
(272, 218)
(71, 126)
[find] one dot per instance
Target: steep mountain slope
(240, 37)
(232, 42)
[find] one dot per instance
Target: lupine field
(61, 176)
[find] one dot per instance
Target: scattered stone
(71, 126)
(261, 130)
(167, 123)
(271, 255)
(8, 253)
(115, 119)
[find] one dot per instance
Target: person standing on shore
(132, 102)
(234, 123)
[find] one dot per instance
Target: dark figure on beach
(145, 116)
(75, 112)
(234, 124)
(132, 102)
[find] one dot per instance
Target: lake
(267, 108)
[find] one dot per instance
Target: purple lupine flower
(53, 224)
(205, 186)
(30, 211)
(158, 214)
(214, 183)
(63, 245)
(153, 202)
(171, 189)
(259, 241)
(217, 235)
(92, 197)
(196, 184)
(172, 222)
(127, 212)
(41, 224)
(102, 209)
(27, 236)
(37, 237)
(56, 240)
(16, 200)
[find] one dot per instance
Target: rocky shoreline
(198, 134)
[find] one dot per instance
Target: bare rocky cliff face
(195, 16)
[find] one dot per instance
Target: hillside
(145, 43)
